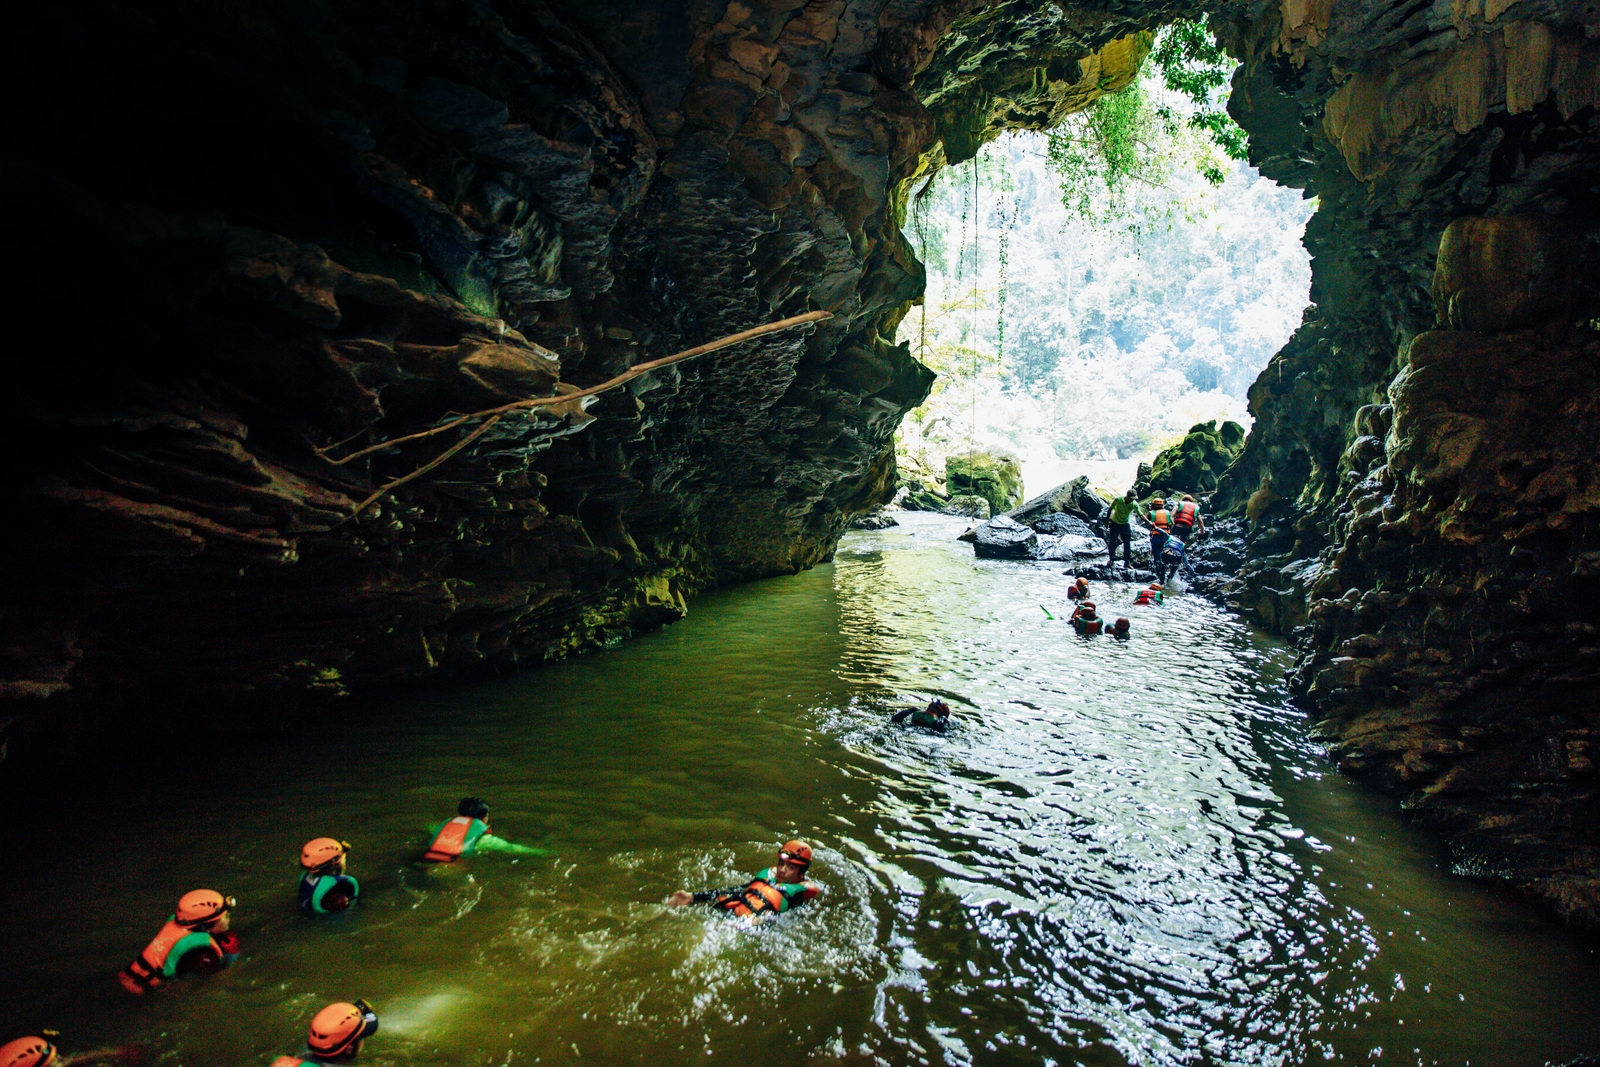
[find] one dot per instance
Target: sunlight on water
(1121, 853)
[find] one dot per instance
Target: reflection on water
(1122, 853)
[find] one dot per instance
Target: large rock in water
(968, 505)
(1194, 464)
(1004, 538)
(992, 474)
(1073, 498)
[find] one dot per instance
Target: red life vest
(1188, 511)
(753, 899)
(451, 841)
(149, 968)
(1145, 597)
(1160, 518)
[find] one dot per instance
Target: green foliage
(1130, 140)
(1191, 63)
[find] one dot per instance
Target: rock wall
(248, 238)
(1422, 484)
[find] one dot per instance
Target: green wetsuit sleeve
(491, 843)
(192, 943)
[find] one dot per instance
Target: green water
(1123, 854)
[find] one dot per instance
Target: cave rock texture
(251, 238)
(1422, 484)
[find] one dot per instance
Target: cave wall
(1422, 483)
(253, 237)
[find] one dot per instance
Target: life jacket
(765, 894)
(290, 1061)
(160, 958)
(1161, 519)
(316, 889)
(1188, 511)
(1088, 626)
(1173, 552)
(455, 838)
(1146, 596)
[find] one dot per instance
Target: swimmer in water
(324, 887)
(195, 940)
(336, 1035)
(936, 716)
(771, 892)
(40, 1052)
(468, 833)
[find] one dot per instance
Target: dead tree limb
(594, 390)
(493, 415)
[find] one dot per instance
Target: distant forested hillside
(1129, 312)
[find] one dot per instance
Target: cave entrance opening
(1083, 315)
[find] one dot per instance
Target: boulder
(993, 474)
(1073, 498)
(877, 520)
(1058, 523)
(925, 500)
(1004, 538)
(1194, 464)
(969, 505)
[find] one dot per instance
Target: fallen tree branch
(420, 471)
(493, 415)
(593, 390)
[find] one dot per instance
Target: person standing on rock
(1119, 528)
(1160, 520)
(1187, 519)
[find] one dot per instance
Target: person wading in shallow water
(935, 717)
(336, 1035)
(195, 940)
(771, 892)
(1086, 620)
(1119, 528)
(468, 833)
(1160, 520)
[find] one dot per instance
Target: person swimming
(771, 892)
(936, 716)
(1151, 595)
(1086, 620)
(1120, 629)
(324, 887)
(195, 940)
(468, 833)
(1079, 589)
(335, 1035)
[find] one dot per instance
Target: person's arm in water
(491, 843)
(683, 898)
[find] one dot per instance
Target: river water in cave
(1122, 854)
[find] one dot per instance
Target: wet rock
(1004, 538)
(1073, 498)
(1060, 522)
(967, 504)
(994, 475)
(877, 520)
(1193, 465)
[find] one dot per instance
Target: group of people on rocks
(196, 939)
(1170, 531)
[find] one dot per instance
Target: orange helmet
(321, 851)
(201, 907)
(1082, 583)
(1156, 586)
(28, 1052)
(338, 1027)
(1089, 605)
(1157, 502)
(796, 852)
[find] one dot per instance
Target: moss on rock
(1194, 464)
(993, 474)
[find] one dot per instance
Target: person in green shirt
(468, 833)
(1119, 528)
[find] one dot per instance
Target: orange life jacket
(451, 840)
(289, 1061)
(1161, 518)
(1087, 625)
(1188, 511)
(149, 968)
(755, 898)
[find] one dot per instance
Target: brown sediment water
(1121, 854)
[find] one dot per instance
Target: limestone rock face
(994, 475)
(260, 237)
(1419, 487)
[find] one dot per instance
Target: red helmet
(201, 907)
(321, 851)
(796, 852)
(28, 1052)
(338, 1027)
